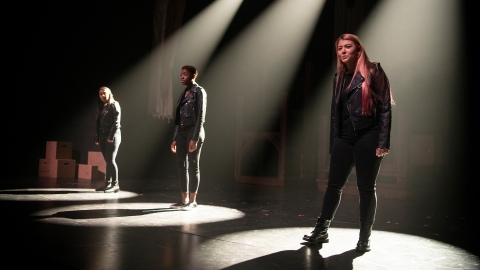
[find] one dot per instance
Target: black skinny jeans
(188, 164)
(353, 148)
(109, 151)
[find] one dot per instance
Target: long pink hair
(363, 67)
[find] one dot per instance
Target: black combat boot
(363, 244)
(105, 186)
(113, 188)
(319, 233)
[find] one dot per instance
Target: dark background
(60, 52)
(63, 52)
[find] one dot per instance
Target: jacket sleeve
(201, 108)
(332, 115)
(383, 105)
(177, 116)
(175, 131)
(97, 129)
(116, 111)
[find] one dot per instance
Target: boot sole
(316, 242)
(102, 189)
(363, 249)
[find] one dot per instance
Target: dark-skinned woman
(189, 136)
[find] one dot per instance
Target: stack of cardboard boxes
(58, 163)
(94, 169)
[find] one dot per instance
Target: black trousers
(353, 148)
(109, 151)
(188, 164)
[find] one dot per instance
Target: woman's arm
(96, 139)
(332, 114)
(383, 105)
(201, 107)
(116, 111)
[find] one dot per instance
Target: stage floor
(65, 224)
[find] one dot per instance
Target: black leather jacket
(108, 121)
(382, 114)
(191, 111)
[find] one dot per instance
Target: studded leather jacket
(190, 111)
(382, 114)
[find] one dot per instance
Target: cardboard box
(85, 171)
(58, 150)
(44, 167)
(96, 159)
(57, 168)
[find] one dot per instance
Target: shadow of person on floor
(307, 257)
(343, 260)
(104, 213)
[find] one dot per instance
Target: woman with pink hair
(359, 136)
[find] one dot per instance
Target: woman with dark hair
(108, 135)
(359, 135)
(189, 136)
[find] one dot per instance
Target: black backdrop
(61, 52)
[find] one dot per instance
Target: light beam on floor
(134, 215)
(61, 194)
(246, 249)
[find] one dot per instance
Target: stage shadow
(104, 213)
(307, 257)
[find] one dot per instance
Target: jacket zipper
(348, 107)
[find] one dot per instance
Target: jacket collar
(356, 82)
(105, 109)
(194, 89)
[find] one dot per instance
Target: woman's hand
(110, 141)
(96, 143)
(192, 146)
(381, 152)
(173, 147)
